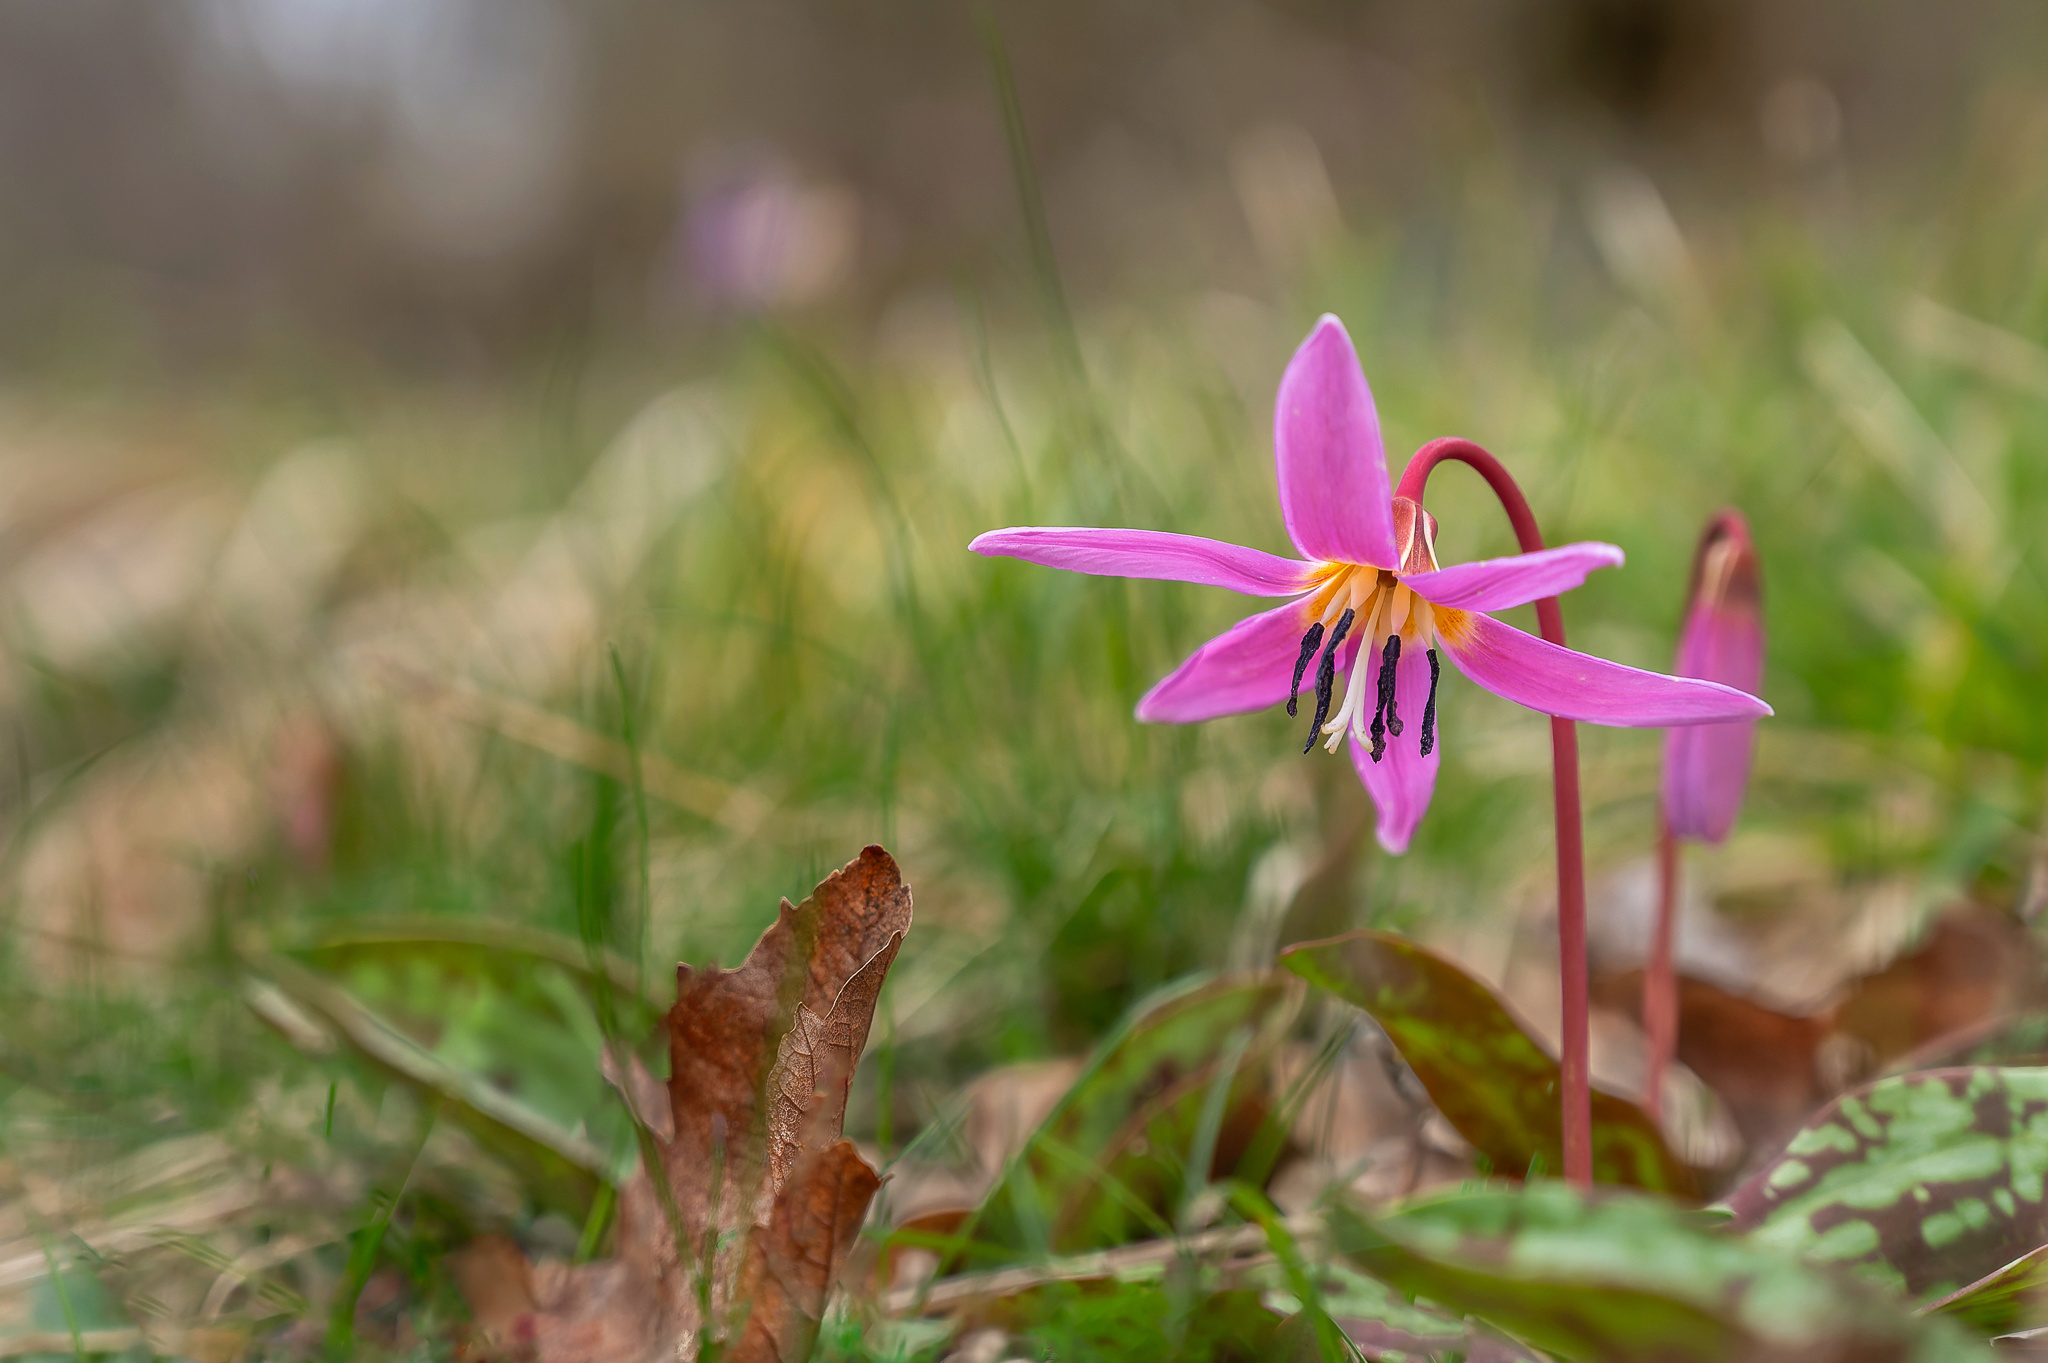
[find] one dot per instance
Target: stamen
(1354, 699)
(1429, 710)
(1388, 676)
(1326, 675)
(1308, 651)
(1347, 716)
(1384, 704)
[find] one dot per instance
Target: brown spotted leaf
(1925, 1182)
(1490, 1078)
(795, 1259)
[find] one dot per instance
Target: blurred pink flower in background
(755, 237)
(1706, 767)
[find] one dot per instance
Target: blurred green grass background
(314, 638)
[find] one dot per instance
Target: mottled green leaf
(1489, 1077)
(1924, 1182)
(2011, 1298)
(1621, 1278)
(1106, 1165)
(1385, 1323)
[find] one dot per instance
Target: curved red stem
(1576, 1114)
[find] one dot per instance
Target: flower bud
(1706, 766)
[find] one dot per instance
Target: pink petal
(1402, 781)
(1558, 681)
(1151, 553)
(1334, 494)
(1247, 667)
(1723, 643)
(1706, 770)
(1494, 584)
(1706, 767)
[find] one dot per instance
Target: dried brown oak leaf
(756, 1200)
(795, 1258)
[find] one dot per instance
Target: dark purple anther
(1326, 675)
(1308, 651)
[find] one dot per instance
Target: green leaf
(469, 944)
(1104, 1319)
(1385, 1323)
(2008, 1299)
(1620, 1277)
(517, 1007)
(1166, 1152)
(561, 1165)
(1109, 1161)
(1308, 1305)
(1924, 1182)
(1489, 1077)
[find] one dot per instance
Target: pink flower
(1706, 767)
(1370, 587)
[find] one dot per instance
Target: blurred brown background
(450, 184)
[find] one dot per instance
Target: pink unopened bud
(1706, 766)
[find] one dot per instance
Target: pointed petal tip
(1751, 706)
(1738, 706)
(1328, 336)
(1329, 456)
(1393, 846)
